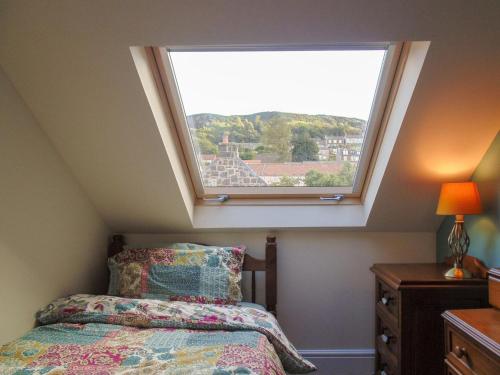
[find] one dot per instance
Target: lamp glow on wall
(459, 199)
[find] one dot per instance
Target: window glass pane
(277, 118)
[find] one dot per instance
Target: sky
(340, 83)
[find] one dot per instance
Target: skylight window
(267, 122)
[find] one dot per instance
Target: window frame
(386, 86)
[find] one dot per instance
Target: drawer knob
(384, 370)
(385, 299)
(459, 352)
(385, 338)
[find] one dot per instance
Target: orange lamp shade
(459, 198)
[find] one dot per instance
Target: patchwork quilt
(87, 334)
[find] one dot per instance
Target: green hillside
(208, 128)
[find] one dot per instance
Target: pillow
(179, 272)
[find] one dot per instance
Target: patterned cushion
(179, 272)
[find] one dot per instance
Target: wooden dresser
(410, 298)
(472, 337)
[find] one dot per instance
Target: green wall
(483, 229)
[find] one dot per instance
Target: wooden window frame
(385, 91)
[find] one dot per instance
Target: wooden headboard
(250, 264)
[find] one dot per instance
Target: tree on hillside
(304, 149)
(204, 143)
(258, 124)
(276, 136)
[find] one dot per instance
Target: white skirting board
(341, 361)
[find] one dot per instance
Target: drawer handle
(385, 338)
(386, 299)
(384, 369)
(459, 352)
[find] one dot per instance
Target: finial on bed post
(116, 245)
(271, 272)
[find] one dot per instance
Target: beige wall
(325, 288)
(52, 240)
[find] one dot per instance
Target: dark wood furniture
(410, 299)
(250, 264)
(472, 341)
(494, 287)
(472, 337)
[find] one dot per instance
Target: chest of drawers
(472, 341)
(409, 301)
(472, 337)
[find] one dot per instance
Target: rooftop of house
(292, 169)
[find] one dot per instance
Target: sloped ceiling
(71, 62)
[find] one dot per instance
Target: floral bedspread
(86, 334)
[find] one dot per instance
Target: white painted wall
(325, 288)
(52, 240)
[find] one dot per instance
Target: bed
(110, 334)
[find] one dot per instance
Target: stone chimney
(227, 169)
(226, 149)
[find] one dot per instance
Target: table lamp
(459, 199)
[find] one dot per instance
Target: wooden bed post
(116, 245)
(271, 273)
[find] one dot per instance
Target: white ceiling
(71, 62)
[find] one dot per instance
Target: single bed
(105, 334)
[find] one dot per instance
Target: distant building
(339, 141)
(348, 154)
(324, 153)
(340, 148)
(354, 139)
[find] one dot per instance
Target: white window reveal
(267, 122)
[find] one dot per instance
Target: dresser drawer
(386, 337)
(466, 356)
(450, 369)
(388, 300)
(385, 364)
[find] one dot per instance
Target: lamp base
(458, 273)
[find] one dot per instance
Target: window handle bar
(220, 198)
(336, 197)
